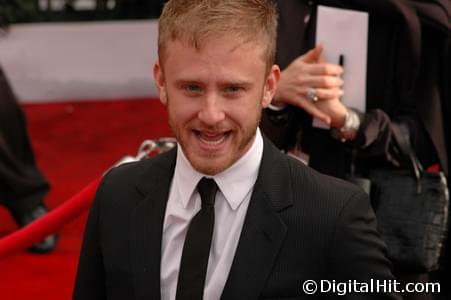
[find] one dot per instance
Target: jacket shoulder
(321, 187)
(135, 171)
(129, 183)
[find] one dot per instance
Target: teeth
(212, 140)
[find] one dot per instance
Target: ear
(271, 83)
(160, 82)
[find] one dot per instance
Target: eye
(192, 88)
(233, 90)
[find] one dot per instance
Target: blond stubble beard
(204, 166)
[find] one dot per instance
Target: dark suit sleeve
(357, 251)
(90, 280)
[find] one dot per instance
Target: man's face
(214, 97)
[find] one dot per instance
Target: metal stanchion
(75, 206)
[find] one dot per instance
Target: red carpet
(74, 143)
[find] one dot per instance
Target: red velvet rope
(51, 222)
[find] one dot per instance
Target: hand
(334, 109)
(310, 71)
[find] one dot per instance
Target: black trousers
(22, 185)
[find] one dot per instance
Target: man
(277, 223)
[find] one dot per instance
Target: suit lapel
(147, 225)
(261, 237)
(263, 230)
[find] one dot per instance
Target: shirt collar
(235, 182)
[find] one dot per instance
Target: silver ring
(311, 95)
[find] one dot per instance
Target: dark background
(25, 11)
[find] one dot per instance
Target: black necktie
(196, 250)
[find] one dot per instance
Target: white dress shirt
(232, 200)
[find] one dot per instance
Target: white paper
(345, 32)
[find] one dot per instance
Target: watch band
(348, 131)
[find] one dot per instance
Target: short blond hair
(193, 21)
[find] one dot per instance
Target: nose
(211, 112)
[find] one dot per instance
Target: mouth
(211, 140)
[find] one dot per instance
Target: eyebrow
(236, 83)
(223, 83)
(180, 82)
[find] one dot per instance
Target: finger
(324, 69)
(325, 82)
(316, 113)
(310, 108)
(328, 94)
(312, 55)
(321, 58)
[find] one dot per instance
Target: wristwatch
(348, 131)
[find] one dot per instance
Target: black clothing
(408, 79)
(396, 70)
(22, 185)
(300, 225)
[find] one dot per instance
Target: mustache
(211, 128)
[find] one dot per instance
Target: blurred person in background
(22, 185)
(405, 82)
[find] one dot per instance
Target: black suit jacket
(300, 225)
